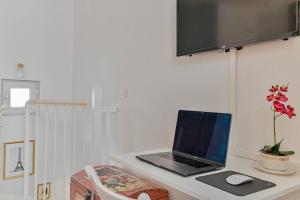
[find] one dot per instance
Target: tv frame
(227, 47)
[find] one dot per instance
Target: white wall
(123, 44)
(40, 35)
(131, 44)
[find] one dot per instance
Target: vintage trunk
(117, 180)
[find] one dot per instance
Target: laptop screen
(203, 135)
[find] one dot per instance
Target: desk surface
(285, 184)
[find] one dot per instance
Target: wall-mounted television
(205, 25)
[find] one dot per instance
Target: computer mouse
(239, 179)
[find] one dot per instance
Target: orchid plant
(280, 107)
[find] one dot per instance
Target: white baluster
(45, 153)
(54, 155)
(37, 142)
(27, 152)
(65, 147)
(74, 140)
(107, 137)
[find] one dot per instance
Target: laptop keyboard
(184, 160)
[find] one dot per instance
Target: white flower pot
(277, 163)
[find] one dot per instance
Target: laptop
(200, 144)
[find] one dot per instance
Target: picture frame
(13, 159)
(40, 191)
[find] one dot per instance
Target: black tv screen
(205, 25)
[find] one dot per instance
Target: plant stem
(274, 124)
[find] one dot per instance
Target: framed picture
(14, 159)
(41, 189)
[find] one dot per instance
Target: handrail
(57, 102)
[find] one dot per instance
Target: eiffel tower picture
(14, 162)
(19, 166)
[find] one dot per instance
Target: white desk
(196, 190)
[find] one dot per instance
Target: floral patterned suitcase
(117, 180)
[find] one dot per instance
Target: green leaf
(286, 153)
(267, 148)
(276, 148)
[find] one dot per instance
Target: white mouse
(238, 179)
